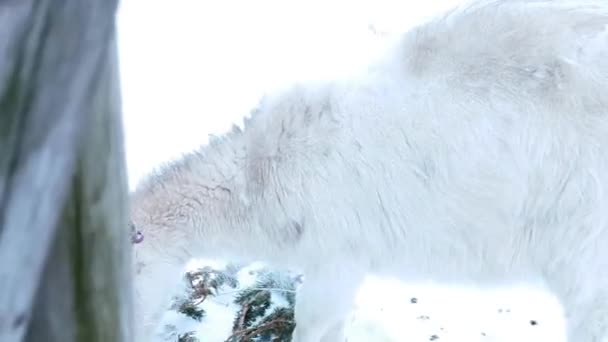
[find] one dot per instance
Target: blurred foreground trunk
(64, 245)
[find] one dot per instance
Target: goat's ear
(132, 227)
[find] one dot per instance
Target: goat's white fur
(476, 152)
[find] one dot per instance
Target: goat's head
(136, 235)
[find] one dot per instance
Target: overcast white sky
(190, 68)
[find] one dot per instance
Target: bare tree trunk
(64, 245)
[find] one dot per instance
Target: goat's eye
(137, 237)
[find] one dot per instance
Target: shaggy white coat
(476, 152)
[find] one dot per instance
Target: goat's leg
(583, 292)
(587, 317)
(323, 302)
(153, 285)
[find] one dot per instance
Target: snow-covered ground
(388, 310)
(191, 68)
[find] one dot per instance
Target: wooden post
(64, 242)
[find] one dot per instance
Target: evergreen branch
(278, 289)
(248, 333)
(243, 315)
(254, 304)
(187, 337)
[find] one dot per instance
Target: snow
(191, 68)
(389, 310)
(454, 314)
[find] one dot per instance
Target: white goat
(476, 152)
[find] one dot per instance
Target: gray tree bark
(64, 242)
